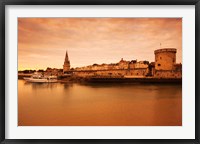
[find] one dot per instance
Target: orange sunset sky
(42, 42)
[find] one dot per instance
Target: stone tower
(165, 59)
(66, 66)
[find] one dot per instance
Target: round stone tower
(165, 58)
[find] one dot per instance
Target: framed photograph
(99, 72)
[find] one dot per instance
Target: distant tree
(26, 71)
(32, 71)
(40, 70)
(146, 62)
(48, 68)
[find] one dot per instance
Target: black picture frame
(3, 3)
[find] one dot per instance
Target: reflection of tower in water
(66, 86)
(167, 106)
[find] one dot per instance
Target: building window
(159, 64)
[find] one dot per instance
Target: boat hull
(40, 80)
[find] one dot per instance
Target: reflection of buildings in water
(108, 85)
(41, 85)
(67, 85)
(48, 85)
(67, 94)
(168, 91)
(167, 105)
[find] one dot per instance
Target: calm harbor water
(72, 104)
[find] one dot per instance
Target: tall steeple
(66, 57)
(66, 66)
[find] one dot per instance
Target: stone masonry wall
(165, 60)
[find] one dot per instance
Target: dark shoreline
(134, 80)
(147, 80)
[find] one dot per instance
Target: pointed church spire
(66, 66)
(66, 57)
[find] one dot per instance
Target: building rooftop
(165, 50)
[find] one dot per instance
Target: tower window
(159, 64)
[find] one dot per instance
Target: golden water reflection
(59, 104)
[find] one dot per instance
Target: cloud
(106, 39)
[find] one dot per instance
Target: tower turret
(165, 59)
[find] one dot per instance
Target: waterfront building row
(165, 66)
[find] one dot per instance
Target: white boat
(39, 78)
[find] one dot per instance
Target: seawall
(134, 80)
